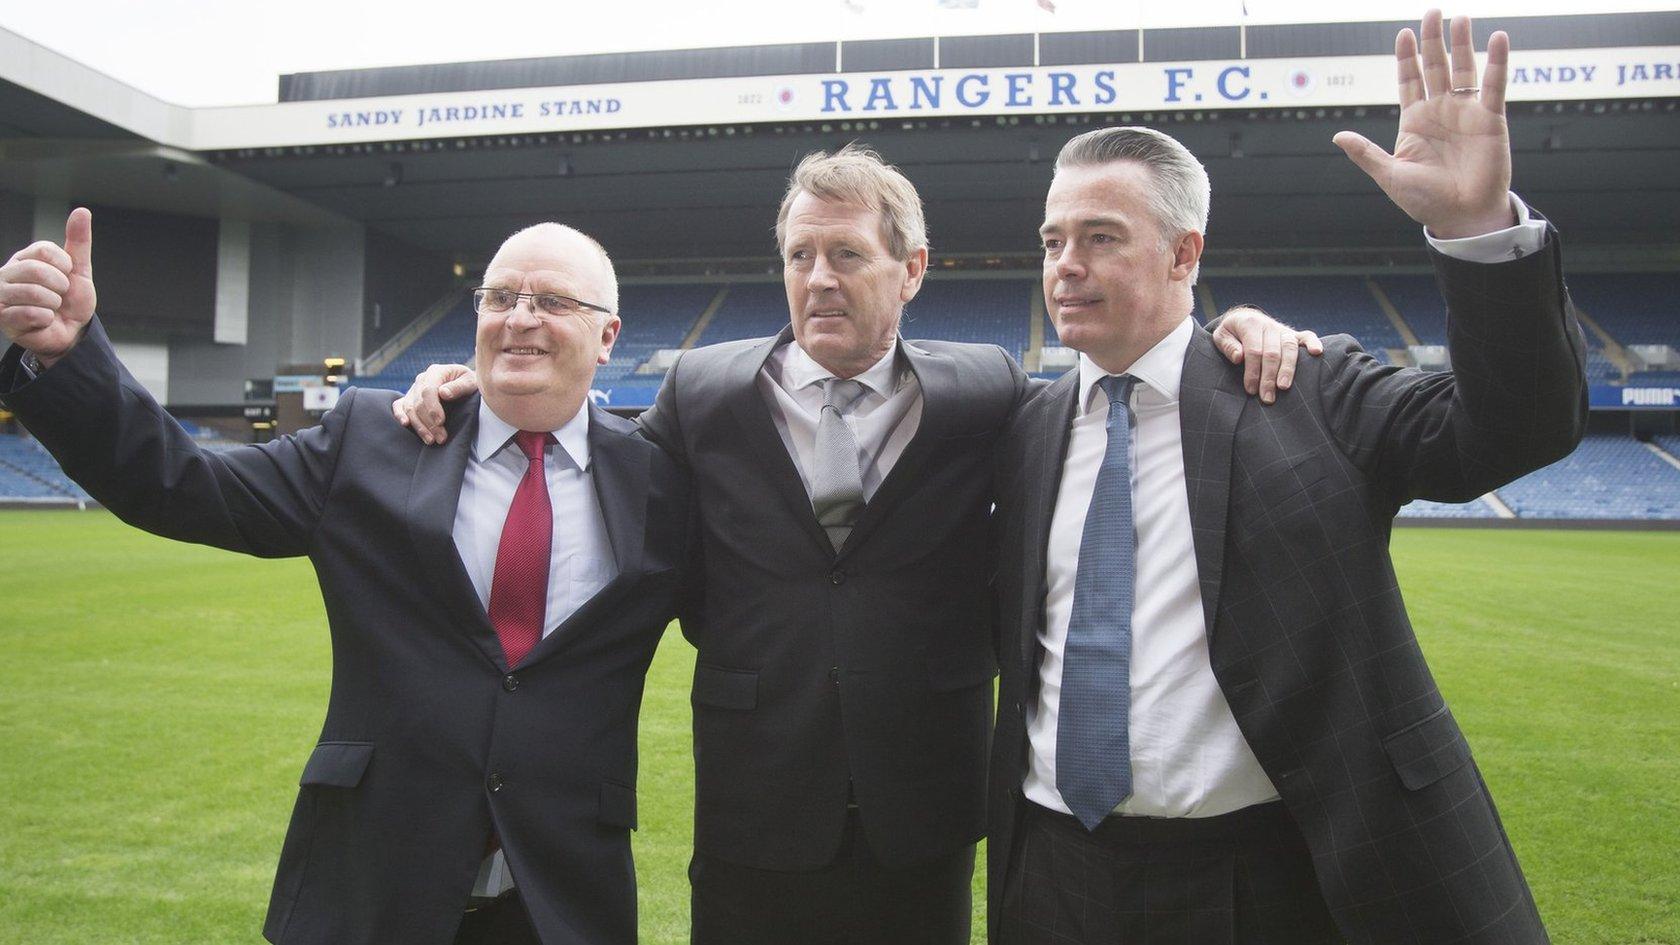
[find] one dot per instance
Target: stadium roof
(703, 180)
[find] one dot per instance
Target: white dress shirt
(883, 420)
(580, 556)
(1189, 759)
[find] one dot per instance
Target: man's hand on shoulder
(1265, 347)
(46, 292)
(421, 409)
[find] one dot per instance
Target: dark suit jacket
(819, 675)
(429, 740)
(1291, 507)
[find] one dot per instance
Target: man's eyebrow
(1088, 223)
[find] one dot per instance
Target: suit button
(837, 576)
(1018, 709)
(834, 675)
(510, 682)
(495, 782)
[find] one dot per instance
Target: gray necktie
(837, 480)
(1093, 744)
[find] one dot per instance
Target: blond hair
(857, 175)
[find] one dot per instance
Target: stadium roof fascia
(1237, 41)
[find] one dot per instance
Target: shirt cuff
(29, 366)
(1511, 243)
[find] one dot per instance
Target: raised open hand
(1451, 166)
(46, 291)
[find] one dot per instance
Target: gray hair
(1179, 199)
(858, 176)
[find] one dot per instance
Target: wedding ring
(1472, 90)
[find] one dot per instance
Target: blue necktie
(1093, 744)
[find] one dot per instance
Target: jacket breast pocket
(1428, 750)
(337, 764)
(725, 688)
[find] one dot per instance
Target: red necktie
(519, 590)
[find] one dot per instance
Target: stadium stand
(751, 310)
(1423, 508)
(1634, 308)
(449, 341)
(1607, 477)
(990, 311)
(1418, 300)
(656, 316)
(29, 473)
(1325, 304)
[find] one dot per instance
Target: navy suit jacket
(429, 740)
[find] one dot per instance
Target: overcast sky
(226, 52)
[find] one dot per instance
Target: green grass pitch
(158, 700)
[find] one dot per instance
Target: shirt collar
(494, 433)
(800, 370)
(1161, 368)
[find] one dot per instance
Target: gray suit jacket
(1291, 507)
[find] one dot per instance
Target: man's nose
(1070, 264)
(524, 314)
(822, 276)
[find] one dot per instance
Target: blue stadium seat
(1608, 477)
(28, 471)
(987, 311)
(1326, 304)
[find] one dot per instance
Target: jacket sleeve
(1515, 400)
(110, 436)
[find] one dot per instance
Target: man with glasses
(494, 603)
(842, 688)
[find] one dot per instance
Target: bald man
(475, 777)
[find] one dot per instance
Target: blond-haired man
(843, 485)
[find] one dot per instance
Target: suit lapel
(762, 440)
(618, 470)
(1051, 423)
(937, 376)
(433, 495)
(1210, 401)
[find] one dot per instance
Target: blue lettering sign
(1018, 95)
(1105, 88)
(1061, 89)
(834, 94)
(1176, 78)
(980, 98)
(880, 91)
(925, 89)
(1225, 90)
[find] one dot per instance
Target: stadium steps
(1394, 316)
(1035, 330)
(1662, 454)
(379, 360)
(705, 318)
(1613, 349)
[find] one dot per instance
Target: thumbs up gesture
(46, 291)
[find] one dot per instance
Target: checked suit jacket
(864, 673)
(429, 738)
(1291, 507)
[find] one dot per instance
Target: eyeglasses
(488, 301)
